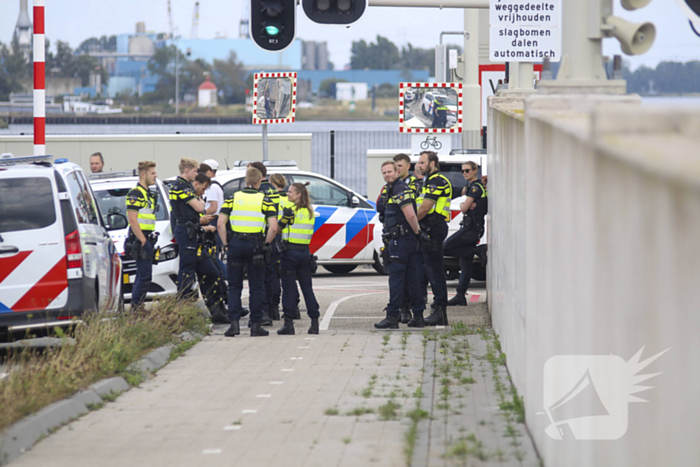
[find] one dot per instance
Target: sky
(76, 20)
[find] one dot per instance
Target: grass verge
(103, 346)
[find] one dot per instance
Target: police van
(110, 190)
(450, 167)
(345, 221)
(57, 259)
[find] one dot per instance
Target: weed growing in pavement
(104, 345)
(347, 440)
(95, 406)
(181, 348)
(359, 411)
(111, 396)
(389, 411)
(467, 447)
(331, 411)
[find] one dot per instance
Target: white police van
(345, 222)
(56, 258)
(110, 190)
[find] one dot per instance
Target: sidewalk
(342, 398)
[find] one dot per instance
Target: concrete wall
(594, 228)
(122, 152)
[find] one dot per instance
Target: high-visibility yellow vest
(442, 205)
(247, 213)
(147, 214)
(301, 231)
(284, 202)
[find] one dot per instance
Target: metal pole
(177, 79)
(39, 80)
(332, 154)
(264, 141)
(432, 3)
(471, 107)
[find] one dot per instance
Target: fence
(350, 153)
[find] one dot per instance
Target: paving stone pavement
(340, 398)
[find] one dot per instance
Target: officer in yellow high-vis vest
(140, 211)
(433, 215)
(297, 224)
(248, 211)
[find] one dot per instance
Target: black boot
(314, 326)
(275, 313)
(390, 322)
(218, 316)
(437, 317)
(417, 321)
(288, 328)
(245, 312)
(256, 329)
(233, 330)
(458, 300)
(405, 314)
(265, 320)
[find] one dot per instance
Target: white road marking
(326, 322)
(297, 358)
(288, 369)
(276, 382)
(232, 428)
(359, 317)
(263, 396)
(249, 411)
(304, 347)
(212, 451)
(309, 338)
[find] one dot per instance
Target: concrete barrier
(123, 152)
(594, 250)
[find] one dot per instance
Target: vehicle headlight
(168, 252)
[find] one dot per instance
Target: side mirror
(354, 201)
(116, 221)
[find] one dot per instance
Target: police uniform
(295, 265)
(142, 200)
(211, 281)
(463, 243)
(437, 188)
(248, 211)
(440, 119)
(185, 222)
(270, 307)
(404, 262)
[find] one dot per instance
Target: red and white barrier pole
(39, 80)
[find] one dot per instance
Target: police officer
(186, 208)
(270, 312)
(140, 210)
(463, 243)
(211, 281)
(433, 215)
(214, 200)
(440, 113)
(401, 227)
(247, 211)
(297, 224)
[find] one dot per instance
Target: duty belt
(247, 236)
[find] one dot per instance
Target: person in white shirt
(214, 201)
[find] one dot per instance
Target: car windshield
(114, 201)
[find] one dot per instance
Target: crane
(195, 21)
(170, 20)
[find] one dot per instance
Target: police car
(110, 190)
(56, 257)
(345, 221)
(450, 167)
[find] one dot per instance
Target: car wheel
(340, 268)
(379, 266)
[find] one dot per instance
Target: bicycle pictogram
(431, 141)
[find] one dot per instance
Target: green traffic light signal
(272, 30)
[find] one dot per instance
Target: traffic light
(334, 11)
(273, 23)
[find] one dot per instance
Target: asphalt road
(414, 108)
(348, 302)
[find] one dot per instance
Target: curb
(22, 435)
(422, 447)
